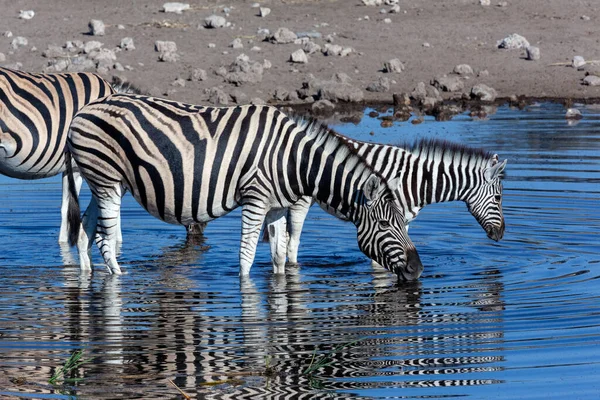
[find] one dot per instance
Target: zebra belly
(14, 168)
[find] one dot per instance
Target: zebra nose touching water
(186, 164)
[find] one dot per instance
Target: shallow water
(514, 319)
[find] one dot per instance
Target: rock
(26, 14)
(2, 58)
(96, 27)
(165, 46)
(281, 94)
(372, 2)
(264, 11)
(197, 75)
(346, 51)
(573, 113)
(533, 53)
(591, 80)
(92, 45)
(503, 4)
(332, 49)
(257, 101)
(104, 58)
(214, 21)
(236, 43)
(483, 92)
(395, 9)
(463, 69)
(311, 47)
(282, 36)
(578, 62)
(179, 82)
(127, 44)
(419, 93)
(448, 83)
(242, 70)
(53, 51)
(18, 42)
(381, 85)
(176, 8)
(218, 96)
(340, 92)
(514, 41)
(16, 66)
(387, 21)
(169, 57)
(309, 35)
(322, 107)
(239, 97)
(74, 45)
(81, 63)
(592, 69)
(401, 99)
(483, 73)
(585, 18)
(299, 56)
(119, 67)
(393, 65)
(484, 2)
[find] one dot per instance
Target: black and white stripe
(429, 171)
(186, 164)
(35, 113)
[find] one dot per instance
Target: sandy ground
(457, 32)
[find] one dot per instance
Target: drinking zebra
(186, 163)
(430, 171)
(35, 113)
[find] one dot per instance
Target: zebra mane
(122, 86)
(447, 149)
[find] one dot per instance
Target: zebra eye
(383, 224)
(498, 197)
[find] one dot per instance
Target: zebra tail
(120, 85)
(73, 211)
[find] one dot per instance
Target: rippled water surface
(514, 319)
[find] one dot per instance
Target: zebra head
(381, 229)
(485, 203)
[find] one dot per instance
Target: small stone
(514, 41)
(255, 48)
(176, 8)
(395, 9)
(483, 92)
(578, 62)
(264, 11)
(267, 64)
(591, 80)
(463, 69)
(383, 11)
(381, 85)
(484, 2)
(165, 46)
(322, 107)
(212, 45)
(179, 82)
(573, 113)
(218, 96)
(96, 27)
(197, 75)
(53, 51)
(299, 56)
(18, 42)
(533, 53)
(26, 14)
(393, 65)
(448, 83)
(585, 18)
(426, 44)
(239, 97)
(104, 58)
(127, 44)
(372, 2)
(257, 101)
(214, 21)
(483, 73)
(236, 43)
(311, 47)
(346, 51)
(2, 58)
(120, 26)
(332, 49)
(92, 45)
(169, 57)
(283, 35)
(119, 67)
(387, 21)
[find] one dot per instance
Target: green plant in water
(324, 360)
(75, 361)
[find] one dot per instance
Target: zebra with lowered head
(186, 163)
(35, 113)
(429, 171)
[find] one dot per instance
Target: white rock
(19, 41)
(26, 14)
(198, 74)
(127, 44)
(2, 58)
(299, 56)
(283, 35)
(165, 46)
(332, 49)
(169, 57)
(264, 11)
(484, 92)
(514, 41)
(387, 21)
(97, 27)
(236, 43)
(393, 65)
(463, 69)
(215, 21)
(174, 7)
(533, 53)
(179, 82)
(484, 2)
(578, 62)
(255, 48)
(372, 2)
(212, 45)
(346, 51)
(573, 113)
(92, 45)
(395, 9)
(591, 80)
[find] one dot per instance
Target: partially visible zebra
(186, 163)
(430, 171)
(35, 113)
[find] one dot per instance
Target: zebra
(35, 113)
(185, 163)
(430, 171)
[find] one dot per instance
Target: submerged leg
(87, 234)
(109, 208)
(297, 216)
(275, 222)
(253, 216)
(63, 235)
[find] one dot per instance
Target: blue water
(514, 319)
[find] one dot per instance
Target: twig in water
(184, 394)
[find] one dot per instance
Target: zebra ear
(494, 168)
(372, 188)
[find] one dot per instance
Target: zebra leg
(253, 216)
(276, 225)
(63, 236)
(297, 215)
(86, 235)
(109, 208)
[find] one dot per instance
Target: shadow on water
(514, 319)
